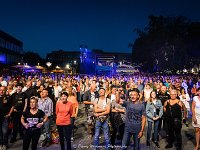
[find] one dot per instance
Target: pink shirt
(63, 113)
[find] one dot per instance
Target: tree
(164, 43)
(32, 58)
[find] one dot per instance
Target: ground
(84, 142)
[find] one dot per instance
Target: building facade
(11, 49)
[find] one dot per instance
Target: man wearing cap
(19, 99)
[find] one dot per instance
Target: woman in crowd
(185, 98)
(154, 111)
(64, 111)
(73, 100)
(173, 111)
(32, 122)
(117, 119)
(196, 117)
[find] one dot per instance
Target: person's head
(183, 91)
(147, 86)
(173, 94)
(64, 96)
(134, 95)
(33, 102)
(28, 83)
(113, 90)
(198, 91)
(163, 89)
(158, 87)
(152, 95)
(38, 82)
(93, 87)
(2, 90)
(44, 93)
(19, 87)
(102, 92)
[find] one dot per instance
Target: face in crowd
(93, 87)
(163, 89)
(153, 94)
(44, 93)
(33, 102)
(134, 96)
(173, 94)
(64, 97)
(101, 92)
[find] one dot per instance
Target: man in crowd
(88, 99)
(163, 96)
(102, 110)
(19, 99)
(46, 105)
(6, 109)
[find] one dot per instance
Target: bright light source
(48, 64)
(57, 67)
(67, 66)
(18, 63)
(74, 62)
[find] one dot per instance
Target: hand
(194, 120)
(154, 118)
(6, 116)
(96, 115)
(157, 117)
(39, 125)
(140, 134)
(26, 125)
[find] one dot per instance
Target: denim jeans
(126, 140)
(104, 125)
(4, 131)
(46, 129)
(155, 135)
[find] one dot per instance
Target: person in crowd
(32, 119)
(46, 105)
(39, 90)
(6, 109)
(185, 98)
(147, 91)
(57, 90)
(2, 81)
(102, 110)
(196, 117)
(73, 100)
(29, 91)
(154, 111)
(135, 120)
(64, 111)
(19, 99)
(88, 99)
(117, 119)
(163, 96)
(184, 85)
(193, 90)
(173, 111)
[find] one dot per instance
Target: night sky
(46, 25)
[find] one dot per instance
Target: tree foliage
(166, 43)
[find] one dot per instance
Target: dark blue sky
(46, 25)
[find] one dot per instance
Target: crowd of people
(120, 106)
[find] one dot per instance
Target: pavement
(84, 142)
